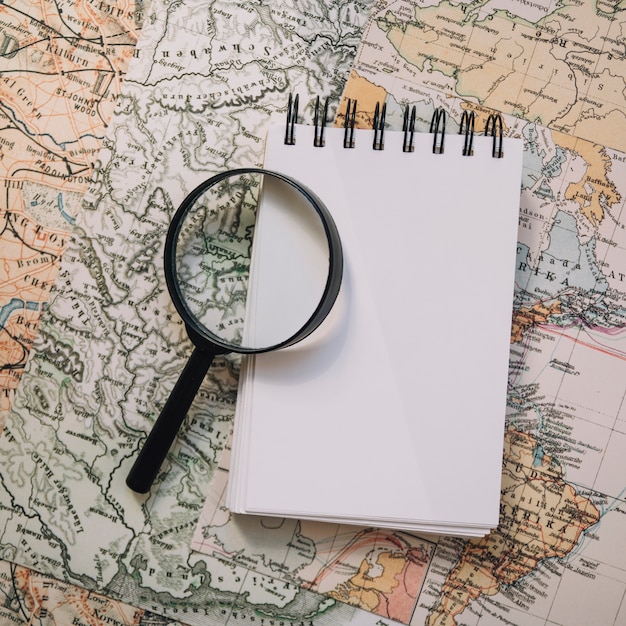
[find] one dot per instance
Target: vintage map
(61, 69)
(562, 509)
(560, 64)
(206, 78)
(554, 557)
(32, 598)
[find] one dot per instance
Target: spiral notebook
(392, 413)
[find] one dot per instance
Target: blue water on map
(15, 305)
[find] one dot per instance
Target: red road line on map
(607, 351)
(351, 548)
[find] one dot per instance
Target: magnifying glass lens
(251, 261)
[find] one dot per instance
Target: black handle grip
(165, 429)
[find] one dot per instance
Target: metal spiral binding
(318, 139)
(438, 119)
(494, 127)
(348, 124)
(292, 116)
(408, 128)
(467, 127)
(379, 127)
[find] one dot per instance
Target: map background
(553, 63)
(62, 68)
(164, 136)
(585, 442)
(566, 390)
(549, 350)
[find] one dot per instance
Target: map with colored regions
(562, 506)
(560, 64)
(206, 79)
(32, 598)
(61, 68)
(62, 64)
(554, 557)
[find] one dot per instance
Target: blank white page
(394, 409)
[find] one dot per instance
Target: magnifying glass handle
(165, 429)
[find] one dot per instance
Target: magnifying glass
(242, 280)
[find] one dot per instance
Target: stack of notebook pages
(392, 413)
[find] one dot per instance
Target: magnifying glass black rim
(331, 288)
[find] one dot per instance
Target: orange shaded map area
(27, 274)
(62, 67)
(541, 517)
(391, 593)
(594, 190)
(538, 70)
(377, 570)
(527, 317)
(44, 600)
(63, 64)
(367, 96)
